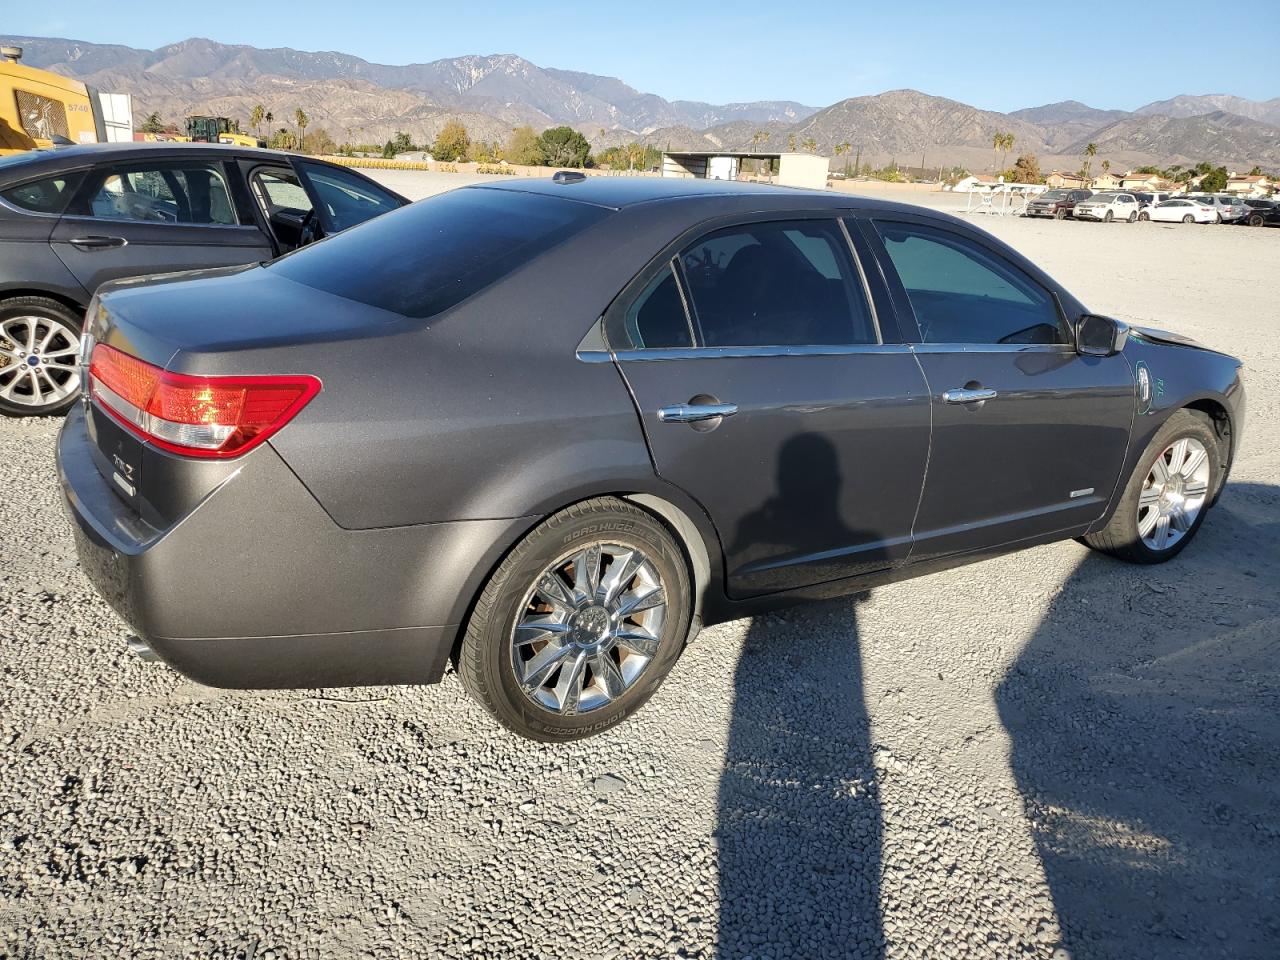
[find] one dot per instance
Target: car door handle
(695, 412)
(969, 395)
(97, 243)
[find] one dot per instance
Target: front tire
(39, 357)
(1133, 216)
(1144, 216)
(580, 623)
(1109, 217)
(1167, 496)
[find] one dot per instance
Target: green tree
(791, 143)
(256, 116)
(564, 147)
(452, 143)
(402, 142)
(320, 142)
(1255, 172)
(1090, 152)
(389, 150)
(810, 145)
(1215, 181)
(153, 124)
(301, 119)
(523, 147)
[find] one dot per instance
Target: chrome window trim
(724, 353)
(852, 250)
(993, 348)
(90, 218)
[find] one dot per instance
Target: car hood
(1156, 335)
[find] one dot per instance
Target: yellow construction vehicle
(39, 109)
(220, 130)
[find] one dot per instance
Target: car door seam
(928, 456)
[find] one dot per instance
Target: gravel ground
(1047, 755)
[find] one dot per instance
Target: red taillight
(196, 416)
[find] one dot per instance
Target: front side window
(776, 284)
(961, 293)
(348, 199)
(280, 191)
(189, 194)
(43, 196)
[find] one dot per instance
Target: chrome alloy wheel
(39, 361)
(1173, 494)
(588, 628)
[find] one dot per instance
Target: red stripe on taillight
(215, 417)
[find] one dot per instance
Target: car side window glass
(279, 190)
(43, 196)
(348, 199)
(657, 318)
(790, 283)
(195, 194)
(961, 293)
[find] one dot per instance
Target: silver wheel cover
(1173, 493)
(588, 628)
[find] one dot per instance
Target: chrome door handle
(695, 412)
(965, 395)
(97, 243)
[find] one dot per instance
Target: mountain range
(359, 101)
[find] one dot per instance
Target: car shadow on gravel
(1143, 718)
(798, 811)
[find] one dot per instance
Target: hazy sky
(816, 53)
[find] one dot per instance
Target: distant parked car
(1108, 207)
(74, 218)
(1181, 210)
(1226, 209)
(1262, 213)
(1148, 200)
(1056, 203)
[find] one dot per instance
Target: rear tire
(1170, 490)
(1144, 216)
(39, 357)
(1256, 220)
(566, 639)
(1188, 219)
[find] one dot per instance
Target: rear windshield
(427, 257)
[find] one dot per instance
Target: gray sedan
(548, 429)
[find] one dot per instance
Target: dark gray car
(569, 422)
(74, 218)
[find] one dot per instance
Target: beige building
(1106, 181)
(794, 169)
(1249, 185)
(1071, 181)
(1143, 181)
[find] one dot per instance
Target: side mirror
(1098, 336)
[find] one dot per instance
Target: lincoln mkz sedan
(546, 431)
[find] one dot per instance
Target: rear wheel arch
(68, 302)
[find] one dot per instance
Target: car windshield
(1207, 201)
(1103, 198)
(422, 259)
(1055, 195)
(1172, 203)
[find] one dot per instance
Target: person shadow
(1142, 717)
(798, 812)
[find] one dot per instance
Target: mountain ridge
(361, 101)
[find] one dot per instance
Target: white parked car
(1181, 211)
(1108, 207)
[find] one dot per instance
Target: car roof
(617, 192)
(78, 154)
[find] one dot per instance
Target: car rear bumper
(258, 588)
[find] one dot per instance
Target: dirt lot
(1047, 755)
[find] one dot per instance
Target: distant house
(1143, 181)
(1250, 185)
(1071, 181)
(1107, 181)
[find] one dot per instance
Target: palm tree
(1090, 152)
(1008, 143)
(842, 150)
(791, 143)
(810, 145)
(302, 120)
(996, 140)
(256, 116)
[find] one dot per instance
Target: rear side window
(43, 196)
(961, 293)
(777, 284)
(425, 258)
(348, 198)
(657, 318)
(188, 194)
